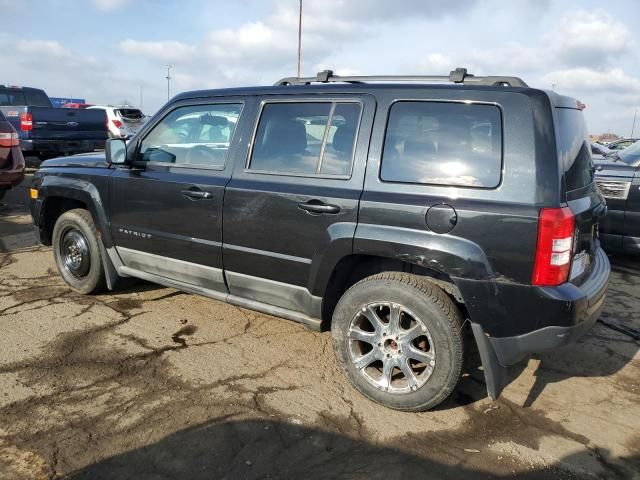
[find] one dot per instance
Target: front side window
(197, 136)
(438, 143)
(314, 138)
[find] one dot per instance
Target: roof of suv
(326, 82)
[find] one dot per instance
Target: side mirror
(116, 151)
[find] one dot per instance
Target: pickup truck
(46, 131)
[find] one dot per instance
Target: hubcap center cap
(391, 346)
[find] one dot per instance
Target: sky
(109, 51)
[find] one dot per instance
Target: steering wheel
(203, 155)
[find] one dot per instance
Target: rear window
(10, 97)
(440, 143)
(37, 98)
(574, 148)
(130, 113)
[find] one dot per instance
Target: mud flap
(109, 269)
(495, 375)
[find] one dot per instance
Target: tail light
(9, 140)
(117, 123)
(555, 242)
(26, 122)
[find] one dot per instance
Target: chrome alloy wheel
(391, 347)
(75, 253)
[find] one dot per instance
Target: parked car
(44, 130)
(395, 214)
(599, 151)
(122, 122)
(618, 178)
(622, 143)
(80, 106)
(11, 159)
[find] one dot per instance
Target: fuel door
(441, 218)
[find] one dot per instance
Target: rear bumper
(566, 313)
(60, 146)
(583, 305)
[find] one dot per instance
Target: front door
(291, 209)
(167, 211)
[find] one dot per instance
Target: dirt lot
(149, 382)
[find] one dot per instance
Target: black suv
(392, 210)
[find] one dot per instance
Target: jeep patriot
(395, 211)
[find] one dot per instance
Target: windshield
(630, 155)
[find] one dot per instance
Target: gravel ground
(152, 383)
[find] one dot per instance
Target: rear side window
(574, 148)
(37, 98)
(315, 138)
(10, 97)
(438, 143)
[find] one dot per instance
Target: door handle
(317, 206)
(197, 194)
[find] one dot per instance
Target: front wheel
(77, 253)
(398, 338)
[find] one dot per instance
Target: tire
(425, 354)
(74, 237)
(3, 192)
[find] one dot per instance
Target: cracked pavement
(149, 382)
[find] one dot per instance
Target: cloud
(582, 78)
(108, 5)
(44, 47)
(165, 51)
(583, 37)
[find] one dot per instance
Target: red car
(11, 159)
(80, 106)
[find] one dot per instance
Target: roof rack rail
(459, 75)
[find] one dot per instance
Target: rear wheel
(77, 253)
(399, 340)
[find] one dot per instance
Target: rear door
(132, 118)
(166, 212)
(292, 207)
(584, 199)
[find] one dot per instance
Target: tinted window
(574, 148)
(37, 98)
(306, 138)
(10, 97)
(197, 135)
(443, 144)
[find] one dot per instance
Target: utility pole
(633, 127)
(168, 77)
(299, 35)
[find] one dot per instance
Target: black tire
(77, 223)
(414, 296)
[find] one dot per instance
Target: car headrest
(343, 139)
(284, 137)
